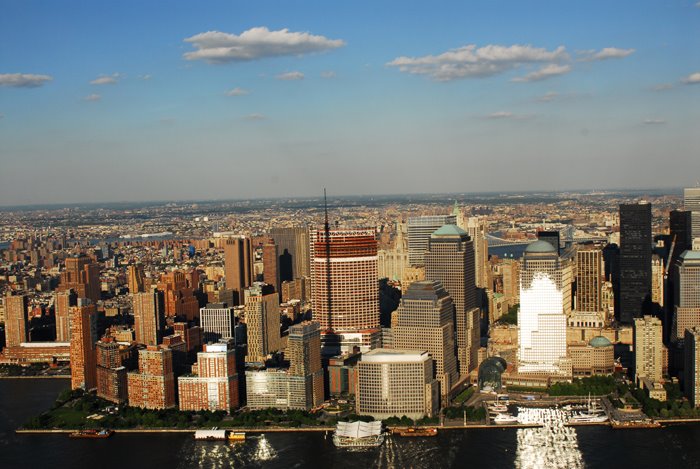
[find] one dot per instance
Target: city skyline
(177, 102)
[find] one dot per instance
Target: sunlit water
(552, 446)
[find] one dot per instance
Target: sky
(179, 100)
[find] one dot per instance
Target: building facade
(153, 386)
(687, 294)
(83, 360)
(218, 321)
(394, 383)
(214, 382)
(149, 316)
(262, 318)
(238, 266)
(691, 383)
(419, 231)
(541, 319)
(635, 261)
(648, 349)
(691, 203)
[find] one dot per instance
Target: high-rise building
(589, 278)
(178, 296)
(635, 261)
(135, 278)
(419, 231)
(111, 374)
(541, 320)
(393, 383)
(691, 203)
(63, 302)
(218, 321)
(149, 317)
(16, 323)
(293, 251)
(345, 293)
(214, 383)
(425, 321)
(450, 260)
(648, 349)
(552, 237)
(153, 386)
(238, 266)
(691, 370)
(686, 283)
(680, 224)
(271, 271)
(477, 229)
(83, 276)
(510, 273)
(83, 360)
(304, 354)
(263, 323)
(391, 263)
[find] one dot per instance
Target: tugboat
(104, 433)
(418, 431)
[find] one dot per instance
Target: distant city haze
(126, 101)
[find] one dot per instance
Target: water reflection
(553, 446)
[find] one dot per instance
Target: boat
(236, 436)
(104, 433)
(418, 431)
(585, 417)
(505, 419)
(358, 435)
(498, 408)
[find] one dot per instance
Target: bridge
(495, 241)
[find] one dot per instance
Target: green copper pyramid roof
(449, 230)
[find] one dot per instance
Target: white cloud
(654, 121)
(2, 116)
(92, 97)
(328, 74)
(106, 79)
(692, 79)
(255, 117)
(508, 115)
(547, 97)
(295, 75)
(146, 76)
(471, 61)
(256, 43)
(543, 73)
(697, 5)
(23, 80)
(662, 87)
(604, 54)
(237, 92)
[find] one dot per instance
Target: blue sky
(109, 101)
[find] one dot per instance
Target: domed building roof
(540, 247)
(599, 341)
(449, 230)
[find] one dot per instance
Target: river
(583, 447)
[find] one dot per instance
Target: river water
(550, 447)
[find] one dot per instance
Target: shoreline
(37, 377)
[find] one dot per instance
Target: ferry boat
(358, 435)
(418, 431)
(104, 433)
(505, 419)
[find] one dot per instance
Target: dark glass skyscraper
(635, 261)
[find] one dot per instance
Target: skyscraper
(686, 283)
(153, 386)
(238, 266)
(214, 383)
(419, 231)
(63, 302)
(425, 321)
(450, 260)
(83, 361)
(648, 349)
(635, 261)
(111, 375)
(541, 320)
(218, 321)
(476, 228)
(83, 276)
(552, 237)
(178, 296)
(271, 270)
(691, 203)
(680, 224)
(135, 278)
(391, 263)
(16, 323)
(691, 370)
(293, 250)
(345, 292)
(262, 318)
(589, 278)
(149, 317)
(304, 354)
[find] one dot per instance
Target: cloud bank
(23, 80)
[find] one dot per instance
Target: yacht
(505, 419)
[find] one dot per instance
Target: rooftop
(540, 247)
(384, 355)
(449, 230)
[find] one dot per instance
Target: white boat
(586, 417)
(505, 419)
(358, 435)
(498, 408)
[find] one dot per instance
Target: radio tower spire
(327, 234)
